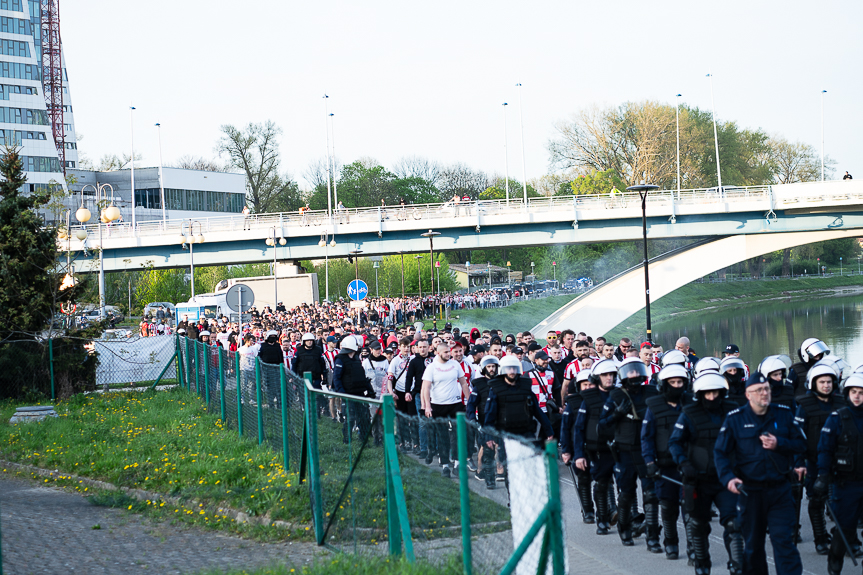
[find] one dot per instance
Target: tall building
(24, 117)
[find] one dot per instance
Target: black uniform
(272, 355)
(476, 412)
(591, 443)
(581, 479)
(349, 377)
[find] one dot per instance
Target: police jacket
(349, 376)
(627, 429)
(514, 409)
(271, 353)
(656, 429)
(476, 402)
(840, 449)
(812, 414)
(311, 360)
(586, 434)
(737, 394)
(694, 437)
(783, 395)
(740, 441)
(572, 403)
(797, 375)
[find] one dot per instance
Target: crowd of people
(696, 436)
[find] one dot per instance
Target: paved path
(49, 531)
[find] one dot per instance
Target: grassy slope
(515, 318)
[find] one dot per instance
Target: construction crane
(52, 74)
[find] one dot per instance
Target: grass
(700, 296)
(342, 565)
(512, 319)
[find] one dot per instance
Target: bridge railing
(320, 219)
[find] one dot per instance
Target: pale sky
(430, 78)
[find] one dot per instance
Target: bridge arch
(611, 302)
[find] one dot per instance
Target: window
(14, 5)
(20, 71)
(40, 164)
(14, 25)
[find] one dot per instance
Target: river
(771, 328)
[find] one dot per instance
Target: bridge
(235, 239)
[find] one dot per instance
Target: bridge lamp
(83, 215)
(81, 234)
(643, 190)
(199, 239)
(431, 235)
(282, 241)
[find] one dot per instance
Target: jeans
(424, 432)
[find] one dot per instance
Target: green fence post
(164, 370)
(316, 500)
(398, 523)
(51, 365)
(197, 362)
(464, 492)
(222, 381)
(258, 398)
(180, 363)
(207, 374)
(283, 383)
(188, 363)
(239, 394)
(554, 528)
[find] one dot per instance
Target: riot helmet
(733, 363)
(632, 372)
(510, 365)
(581, 377)
(673, 356)
(485, 362)
(600, 368)
(673, 371)
(854, 380)
(710, 382)
(706, 365)
(817, 371)
(812, 349)
(772, 364)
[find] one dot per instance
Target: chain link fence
(370, 492)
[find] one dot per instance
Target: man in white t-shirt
(443, 385)
(248, 352)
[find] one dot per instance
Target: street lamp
(508, 274)
(323, 243)
(404, 313)
(431, 236)
(521, 122)
(132, 161)
(418, 257)
(161, 178)
(532, 273)
(376, 265)
(107, 214)
(840, 266)
(467, 267)
(643, 190)
(715, 134)
(505, 160)
(327, 125)
(356, 254)
(677, 118)
(271, 241)
(822, 133)
(489, 274)
(191, 240)
(554, 271)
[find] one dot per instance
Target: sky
(429, 79)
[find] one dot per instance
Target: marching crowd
(699, 437)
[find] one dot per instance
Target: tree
(418, 167)
(255, 152)
(459, 179)
(594, 183)
(795, 162)
(189, 162)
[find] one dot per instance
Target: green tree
(595, 182)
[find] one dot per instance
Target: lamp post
(132, 161)
(822, 133)
(715, 135)
(271, 241)
(523, 169)
(376, 265)
(677, 118)
(356, 254)
(532, 273)
(161, 179)
(323, 243)
(840, 267)
(404, 312)
(467, 267)
(508, 274)
(505, 157)
(191, 240)
(327, 126)
(858, 265)
(431, 236)
(554, 271)
(418, 257)
(489, 274)
(107, 214)
(643, 190)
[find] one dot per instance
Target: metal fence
(369, 493)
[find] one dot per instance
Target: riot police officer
(840, 461)
(734, 371)
(590, 450)
(811, 351)
(349, 377)
(488, 366)
(782, 389)
(662, 413)
(691, 445)
(815, 406)
(763, 441)
(580, 477)
(624, 412)
(512, 407)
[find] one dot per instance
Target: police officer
(840, 461)
(349, 377)
(270, 353)
(580, 477)
(763, 441)
(512, 407)
(734, 371)
(782, 389)
(811, 351)
(590, 450)
(624, 412)
(691, 445)
(815, 406)
(476, 412)
(663, 410)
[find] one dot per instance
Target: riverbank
(511, 319)
(701, 297)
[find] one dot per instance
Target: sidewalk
(47, 530)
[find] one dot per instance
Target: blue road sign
(358, 290)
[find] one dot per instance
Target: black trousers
(443, 416)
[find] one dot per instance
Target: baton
(841, 532)
(674, 481)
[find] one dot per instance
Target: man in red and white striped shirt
(458, 357)
(645, 353)
(582, 348)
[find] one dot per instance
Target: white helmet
(673, 356)
(582, 376)
(349, 343)
(486, 361)
(772, 363)
(308, 337)
(707, 365)
(857, 370)
(731, 362)
(817, 371)
(673, 370)
(510, 361)
(632, 372)
(854, 380)
(708, 382)
(811, 348)
(601, 367)
(837, 363)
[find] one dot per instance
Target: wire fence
(370, 492)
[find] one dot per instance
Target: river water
(772, 328)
